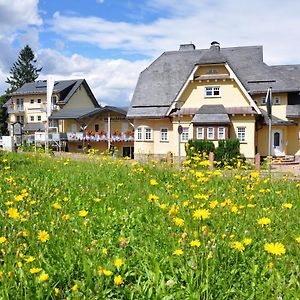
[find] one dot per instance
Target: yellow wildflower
(298, 239)
(13, 213)
(119, 262)
(247, 241)
(118, 280)
(29, 259)
(56, 205)
(3, 239)
(66, 217)
(275, 248)
(83, 213)
(43, 236)
(264, 221)
(178, 221)
(153, 182)
(152, 198)
(238, 246)
(74, 288)
(201, 214)
(43, 277)
(107, 272)
(287, 205)
(35, 270)
(178, 252)
(104, 251)
(195, 243)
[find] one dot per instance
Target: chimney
(215, 45)
(187, 47)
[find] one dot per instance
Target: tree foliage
(23, 70)
(3, 116)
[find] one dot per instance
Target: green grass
(143, 233)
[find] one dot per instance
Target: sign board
(180, 129)
(17, 128)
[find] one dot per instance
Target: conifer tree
(23, 70)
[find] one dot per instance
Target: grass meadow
(116, 229)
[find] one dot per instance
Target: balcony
(15, 109)
(79, 136)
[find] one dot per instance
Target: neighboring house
(27, 105)
(215, 94)
(104, 128)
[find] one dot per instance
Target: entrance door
(128, 152)
(277, 143)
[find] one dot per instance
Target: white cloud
(231, 22)
(18, 14)
(112, 81)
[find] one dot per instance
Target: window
(185, 134)
(96, 127)
(148, 134)
(139, 134)
(32, 118)
(241, 134)
(210, 133)
(221, 133)
(32, 101)
(39, 100)
(212, 91)
(276, 100)
(200, 133)
(263, 100)
(164, 134)
(22, 119)
(18, 118)
(39, 118)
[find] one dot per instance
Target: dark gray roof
(72, 113)
(160, 83)
(275, 121)
(293, 111)
(211, 114)
(79, 113)
(66, 89)
(33, 127)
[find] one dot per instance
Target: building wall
(211, 70)
(79, 99)
(278, 110)
(293, 140)
(230, 94)
(247, 148)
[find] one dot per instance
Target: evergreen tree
(23, 70)
(3, 116)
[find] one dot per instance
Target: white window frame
(200, 133)
(241, 134)
(31, 118)
(185, 134)
(139, 134)
(212, 91)
(39, 118)
(164, 135)
(276, 100)
(208, 133)
(263, 100)
(31, 101)
(221, 136)
(148, 133)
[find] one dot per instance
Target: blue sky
(109, 42)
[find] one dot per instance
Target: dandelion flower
(43, 277)
(275, 248)
(83, 213)
(3, 239)
(30, 259)
(13, 213)
(201, 214)
(153, 182)
(298, 239)
(66, 217)
(238, 246)
(104, 251)
(56, 205)
(247, 241)
(118, 280)
(178, 252)
(178, 221)
(43, 236)
(287, 205)
(264, 221)
(74, 288)
(195, 243)
(152, 198)
(119, 262)
(107, 272)
(35, 270)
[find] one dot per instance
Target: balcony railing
(15, 108)
(79, 136)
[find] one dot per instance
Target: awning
(211, 114)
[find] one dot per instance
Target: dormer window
(212, 91)
(276, 100)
